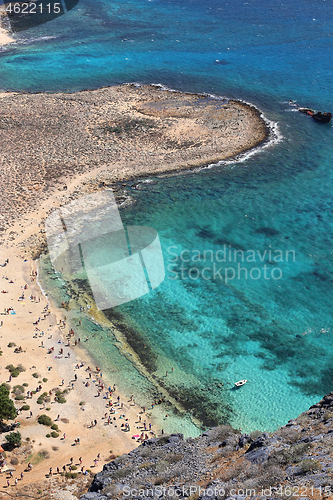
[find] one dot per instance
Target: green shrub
(60, 396)
(44, 380)
(20, 397)
(74, 467)
(81, 403)
(163, 440)
(290, 455)
(54, 434)
(11, 344)
(146, 465)
(309, 465)
(35, 375)
(45, 420)
(7, 408)
(290, 435)
(15, 370)
(25, 384)
(54, 427)
(222, 432)
(255, 434)
(121, 473)
(71, 475)
(25, 408)
(18, 389)
(48, 409)
(48, 435)
(14, 439)
(173, 458)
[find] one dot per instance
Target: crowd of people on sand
(92, 379)
(66, 468)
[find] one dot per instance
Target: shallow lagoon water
(277, 333)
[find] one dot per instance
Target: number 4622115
(33, 8)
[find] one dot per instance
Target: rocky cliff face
(294, 462)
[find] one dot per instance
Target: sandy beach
(4, 36)
(52, 362)
(55, 148)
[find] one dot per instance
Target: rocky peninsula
(115, 133)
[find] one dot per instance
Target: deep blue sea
(275, 330)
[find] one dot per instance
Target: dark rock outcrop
(221, 463)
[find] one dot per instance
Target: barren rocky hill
(296, 461)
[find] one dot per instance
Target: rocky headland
(295, 461)
(111, 134)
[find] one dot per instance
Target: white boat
(240, 383)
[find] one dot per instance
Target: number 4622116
(33, 8)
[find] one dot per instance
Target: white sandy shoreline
(36, 340)
(4, 36)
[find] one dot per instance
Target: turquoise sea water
(277, 333)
